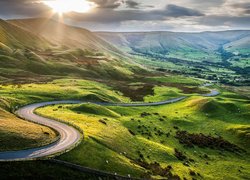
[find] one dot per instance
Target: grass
(17, 95)
(147, 134)
(94, 109)
(18, 134)
(41, 170)
(178, 79)
(123, 140)
(162, 94)
(195, 55)
(129, 141)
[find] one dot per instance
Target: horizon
(136, 15)
(145, 31)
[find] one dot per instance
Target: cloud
(107, 16)
(108, 4)
(178, 11)
(209, 3)
(243, 7)
(230, 21)
(144, 14)
(247, 11)
(132, 4)
(23, 8)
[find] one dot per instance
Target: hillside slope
(28, 53)
(64, 35)
(14, 37)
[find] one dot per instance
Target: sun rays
(66, 6)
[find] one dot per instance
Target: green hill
(13, 37)
(63, 35)
(42, 49)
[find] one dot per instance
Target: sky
(141, 15)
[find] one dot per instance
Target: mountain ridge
(170, 31)
(165, 41)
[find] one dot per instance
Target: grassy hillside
(18, 134)
(129, 141)
(16, 95)
(42, 170)
(13, 38)
(29, 54)
(63, 35)
(201, 138)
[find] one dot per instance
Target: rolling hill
(63, 35)
(13, 37)
(28, 53)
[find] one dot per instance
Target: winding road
(69, 136)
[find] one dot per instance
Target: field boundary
(90, 170)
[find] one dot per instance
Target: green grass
(41, 170)
(162, 94)
(178, 80)
(117, 137)
(17, 95)
(16, 134)
(115, 149)
(94, 109)
(242, 62)
(191, 55)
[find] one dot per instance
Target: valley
(217, 56)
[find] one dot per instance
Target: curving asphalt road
(69, 136)
(213, 92)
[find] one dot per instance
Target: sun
(66, 6)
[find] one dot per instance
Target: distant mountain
(61, 34)
(188, 46)
(241, 45)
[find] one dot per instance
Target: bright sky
(136, 15)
